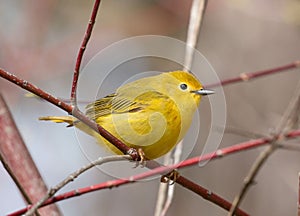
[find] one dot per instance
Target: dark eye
(183, 86)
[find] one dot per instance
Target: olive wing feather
(122, 103)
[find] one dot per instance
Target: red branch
(79, 115)
(71, 110)
(208, 195)
(75, 112)
(19, 163)
(198, 189)
(123, 147)
(84, 43)
(252, 75)
(189, 162)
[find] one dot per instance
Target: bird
(151, 114)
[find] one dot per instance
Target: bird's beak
(203, 92)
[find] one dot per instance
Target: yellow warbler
(152, 113)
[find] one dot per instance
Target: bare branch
(253, 75)
(250, 177)
(79, 115)
(71, 110)
(239, 131)
(196, 17)
(209, 195)
(84, 43)
(290, 147)
(72, 177)
(18, 162)
(181, 180)
(163, 189)
(264, 155)
(198, 7)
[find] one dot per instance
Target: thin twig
(244, 77)
(175, 156)
(249, 179)
(209, 195)
(290, 112)
(71, 110)
(166, 192)
(198, 189)
(162, 190)
(195, 23)
(161, 198)
(68, 108)
(74, 98)
(72, 177)
(168, 202)
(289, 147)
(253, 75)
(76, 113)
(294, 121)
(189, 162)
(264, 155)
(238, 131)
(84, 43)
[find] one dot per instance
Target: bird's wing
(118, 103)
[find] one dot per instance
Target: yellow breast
(155, 129)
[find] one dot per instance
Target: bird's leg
(142, 156)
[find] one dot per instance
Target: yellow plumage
(151, 113)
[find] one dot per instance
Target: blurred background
(39, 42)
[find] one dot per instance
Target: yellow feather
(152, 113)
(59, 119)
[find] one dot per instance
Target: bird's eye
(183, 86)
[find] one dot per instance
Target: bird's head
(186, 85)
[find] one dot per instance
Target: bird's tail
(70, 120)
